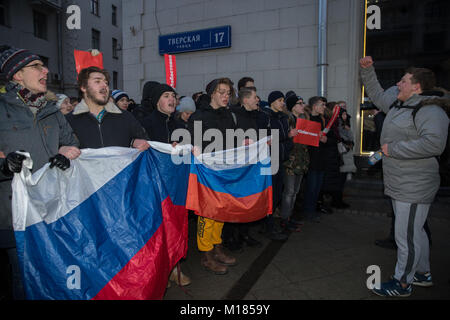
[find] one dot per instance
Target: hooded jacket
(411, 171)
(41, 135)
(160, 126)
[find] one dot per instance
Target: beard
(91, 95)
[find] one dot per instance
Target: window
(114, 15)
(114, 48)
(94, 7)
(115, 79)
(95, 39)
(40, 24)
(4, 13)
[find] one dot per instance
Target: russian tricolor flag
(112, 226)
(233, 185)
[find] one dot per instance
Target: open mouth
(43, 81)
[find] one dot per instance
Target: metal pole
(322, 49)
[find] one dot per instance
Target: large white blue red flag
(112, 226)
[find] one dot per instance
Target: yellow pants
(209, 233)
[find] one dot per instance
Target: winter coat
(159, 126)
(347, 157)
(210, 118)
(332, 159)
(41, 135)
(246, 120)
(270, 120)
(117, 128)
(411, 171)
(317, 154)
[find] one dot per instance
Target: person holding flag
(31, 123)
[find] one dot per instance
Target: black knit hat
(291, 101)
(274, 95)
(158, 91)
(13, 59)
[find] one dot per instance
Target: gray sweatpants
(413, 253)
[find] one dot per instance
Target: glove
(13, 163)
(60, 161)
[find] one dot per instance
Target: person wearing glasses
(214, 116)
(295, 167)
(28, 122)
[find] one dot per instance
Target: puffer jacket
(411, 171)
(41, 135)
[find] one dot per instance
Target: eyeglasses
(37, 66)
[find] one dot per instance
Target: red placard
(171, 70)
(308, 132)
(84, 59)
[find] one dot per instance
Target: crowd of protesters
(100, 118)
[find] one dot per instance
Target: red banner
(171, 70)
(308, 132)
(84, 59)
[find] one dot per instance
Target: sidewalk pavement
(326, 260)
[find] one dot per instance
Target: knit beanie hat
(13, 59)
(157, 92)
(274, 95)
(291, 101)
(118, 94)
(61, 97)
(187, 104)
(147, 90)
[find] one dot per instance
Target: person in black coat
(214, 116)
(245, 115)
(332, 182)
(274, 118)
(98, 123)
(161, 122)
(146, 107)
(317, 165)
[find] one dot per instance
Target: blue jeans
(314, 180)
(291, 188)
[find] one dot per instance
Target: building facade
(274, 42)
(41, 26)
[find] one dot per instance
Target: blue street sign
(205, 39)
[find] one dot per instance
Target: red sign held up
(85, 59)
(171, 70)
(308, 132)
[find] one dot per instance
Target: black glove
(13, 163)
(60, 161)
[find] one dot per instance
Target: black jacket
(245, 120)
(317, 154)
(117, 129)
(159, 126)
(270, 120)
(211, 118)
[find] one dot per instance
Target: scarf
(37, 101)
